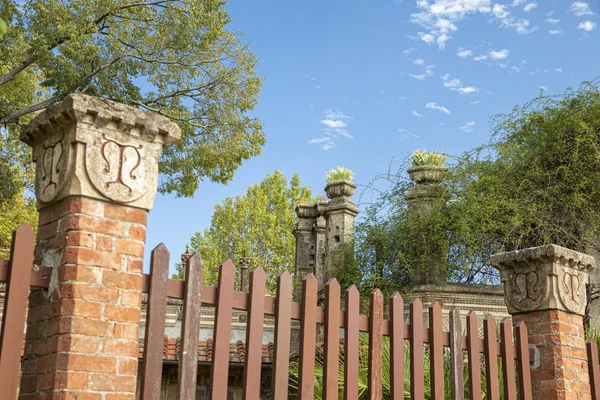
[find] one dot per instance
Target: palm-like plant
(363, 372)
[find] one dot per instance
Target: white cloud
(456, 85)
(506, 19)
(408, 51)
(499, 55)
(419, 61)
(428, 73)
(335, 124)
(325, 142)
(587, 26)
(580, 8)
(555, 31)
(495, 55)
(468, 127)
(559, 70)
(553, 21)
(441, 16)
(464, 53)
(489, 92)
(529, 7)
(402, 97)
(517, 3)
(435, 106)
(317, 87)
(475, 102)
(405, 134)
(417, 114)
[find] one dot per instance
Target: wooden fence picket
(308, 338)
(508, 359)
(254, 334)
(456, 356)
(351, 343)
(219, 368)
(376, 345)
(156, 312)
(417, 371)
(332, 340)
(594, 368)
(15, 309)
(491, 358)
(474, 365)
(436, 351)
(397, 347)
(523, 361)
(190, 328)
(283, 326)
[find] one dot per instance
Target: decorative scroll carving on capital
(548, 277)
(87, 146)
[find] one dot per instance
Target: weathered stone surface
(427, 173)
(547, 277)
(340, 188)
(87, 146)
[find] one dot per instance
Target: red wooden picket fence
(594, 368)
(20, 274)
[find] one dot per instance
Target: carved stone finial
(548, 277)
(87, 146)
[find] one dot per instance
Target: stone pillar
(320, 235)
(545, 287)
(96, 178)
(428, 196)
(305, 240)
(339, 216)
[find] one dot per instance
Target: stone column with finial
(96, 179)
(424, 197)
(545, 288)
(339, 215)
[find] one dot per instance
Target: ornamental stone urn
(427, 174)
(340, 188)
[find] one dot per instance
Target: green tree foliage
(172, 57)
(257, 225)
(534, 183)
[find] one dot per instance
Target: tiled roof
(237, 351)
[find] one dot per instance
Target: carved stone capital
(548, 277)
(87, 146)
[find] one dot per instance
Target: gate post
(96, 178)
(545, 287)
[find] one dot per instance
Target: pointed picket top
(352, 291)
(332, 281)
(227, 264)
(258, 272)
(310, 280)
(24, 229)
(285, 275)
(160, 247)
(416, 302)
(196, 259)
(435, 306)
(395, 296)
(376, 292)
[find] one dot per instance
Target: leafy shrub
(423, 157)
(339, 174)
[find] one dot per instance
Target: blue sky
(356, 83)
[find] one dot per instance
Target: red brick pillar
(96, 178)
(545, 287)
